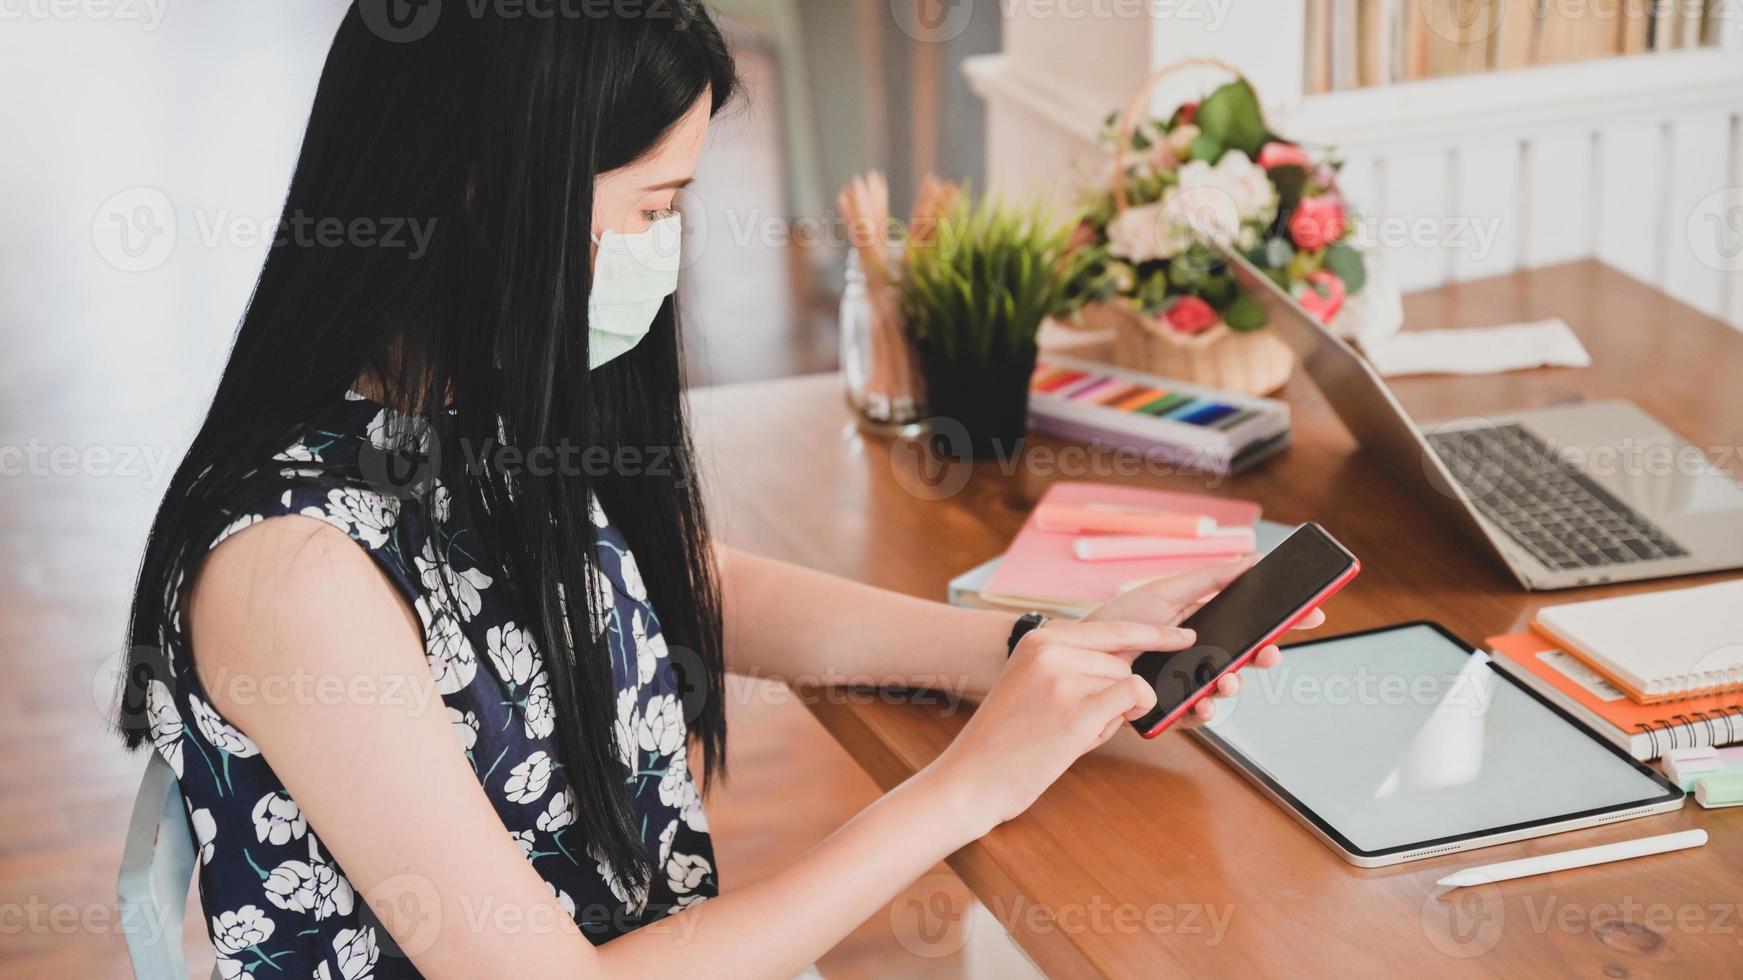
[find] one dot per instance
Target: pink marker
(1226, 543)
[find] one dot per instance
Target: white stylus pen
(1585, 856)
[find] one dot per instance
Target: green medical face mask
(632, 276)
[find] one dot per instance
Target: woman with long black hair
(430, 625)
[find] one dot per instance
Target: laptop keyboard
(1549, 508)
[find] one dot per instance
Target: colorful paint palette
(1196, 426)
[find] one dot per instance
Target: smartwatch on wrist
(1027, 623)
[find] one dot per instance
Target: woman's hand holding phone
(1169, 600)
(1068, 689)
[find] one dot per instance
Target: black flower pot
(979, 410)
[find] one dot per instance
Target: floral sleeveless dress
(276, 903)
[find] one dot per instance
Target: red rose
(1188, 113)
(1317, 222)
(1283, 155)
(1191, 315)
(1324, 296)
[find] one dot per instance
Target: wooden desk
(1121, 868)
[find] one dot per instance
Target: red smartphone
(1253, 611)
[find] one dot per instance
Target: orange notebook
(1645, 730)
(1040, 571)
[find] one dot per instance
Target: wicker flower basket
(1252, 362)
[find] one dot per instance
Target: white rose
(527, 781)
(685, 872)
(333, 892)
(356, 952)
(513, 651)
(540, 711)
(277, 819)
(291, 886)
(218, 733)
(233, 932)
(165, 724)
(662, 727)
(559, 813)
(1249, 185)
(628, 728)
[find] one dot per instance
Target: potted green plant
(976, 287)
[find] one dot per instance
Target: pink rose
(1283, 155)
(1324, 296)
(1317, 222)
(1191, 315)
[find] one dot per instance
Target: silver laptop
(1568, 496)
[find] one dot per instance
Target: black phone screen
(1241, 616)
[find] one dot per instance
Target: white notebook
(1658, 646)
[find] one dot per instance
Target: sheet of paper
(1478, 350)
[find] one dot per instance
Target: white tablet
(1404, 743)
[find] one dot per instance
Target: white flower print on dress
(597, 512)
(164, 723)
(453, 663)
(291, 886)
(465, 727)
(218, 733)
(559, 813)
(628, 730)
(514, 653)
(440, 578)
(649, 650)
(247, 927)
(333, 892)
(539, 711)
(356, 953)
(662, 727)
(631, 574)
(277, 819)
(205, 833)
(685, 872)
(527, 782)
(368, 516)
(673, 779)
(526, 841)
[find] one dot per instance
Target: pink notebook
(1040, 571)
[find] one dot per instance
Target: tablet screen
(1403, 737)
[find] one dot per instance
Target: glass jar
(877, 362)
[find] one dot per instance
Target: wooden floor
(113, 368)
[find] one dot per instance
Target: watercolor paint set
(1173, 421)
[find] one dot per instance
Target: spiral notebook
(1673, 644)
(1645, 731)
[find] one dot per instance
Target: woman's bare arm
(385, 784)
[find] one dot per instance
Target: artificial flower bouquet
(1214, 172)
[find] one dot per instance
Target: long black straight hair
(490, 129)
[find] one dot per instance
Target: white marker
(1584, 857)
